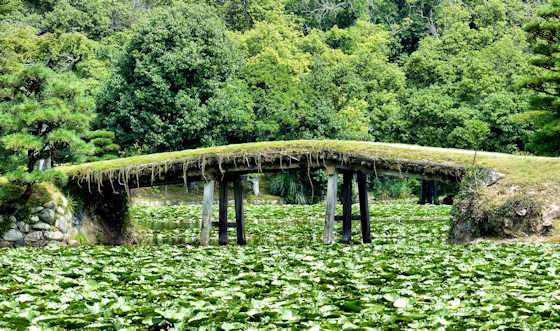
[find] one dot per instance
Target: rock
(41, 226)
(50, 205)
(34, 236)
(34, 219)
(55, 243)
(54, 235)
(61, 223)
(553, 213)
(522, 212)
(60, 210)
(47, 215)
(4, 243)
(13, 225)
(13, 219)
(20, 243)
(23, 227)
(490, 177)
(12, 235)
(36, 210)
(38, 243)
(73, 243)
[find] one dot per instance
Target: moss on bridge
(519, 170)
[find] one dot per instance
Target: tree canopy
(162, 75)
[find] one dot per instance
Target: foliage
(545, 105)
(299, 187)
(105, 148)
(465, 93)
(42, 116)
(174, 81)
(384, 188)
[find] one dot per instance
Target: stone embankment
(46, 224)
(51, 223)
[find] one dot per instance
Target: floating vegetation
(408, 278)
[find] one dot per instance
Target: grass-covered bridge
(505, 195)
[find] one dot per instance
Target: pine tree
(105, 148)
(43, 116)
(544, 32)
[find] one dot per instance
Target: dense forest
(108, 77)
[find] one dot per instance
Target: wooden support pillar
(239, 216)
(206, 222)
(222, 219)
(422, 192)
(364, 207)
(430, 193)
(330, 202)
(434, 191)
(347, 207)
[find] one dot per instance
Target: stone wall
(46, 224)
(51, 223)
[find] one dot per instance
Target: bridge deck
(271, 156)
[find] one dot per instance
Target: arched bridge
(112, 180)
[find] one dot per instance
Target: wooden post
(330, 202)
(347, 207)
(422, 192)
(239, 216)
(222, 220)
(206, 222)
(364, 208)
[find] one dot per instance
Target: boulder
(73, 243)
(61, 223)
(23, 227)
(54, 235)
(38, 243)
(55, 243)
(50, 205)
(36, 210)
(12, 235)
(47, 215)
(34, 219)
(41, 226)
(33, 236)
(553, 213)
(4, 243)
(20, 243)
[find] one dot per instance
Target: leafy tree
(468, 74)
(545, 34)
(8, 6)
(163, 95)
(42, 115)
